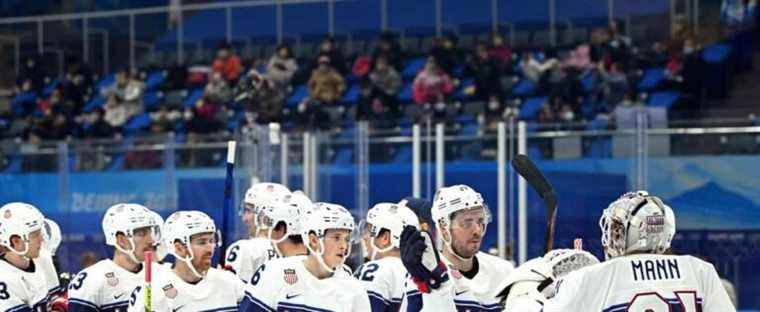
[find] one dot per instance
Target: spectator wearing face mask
(282, 66)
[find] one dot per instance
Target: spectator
(125, 94)
(534, 69)
(335, 58)
(371, 107)
(614, 84)
(386, 81)
(163, 120)
(432, 84)
(499, 51)
(76, 83)
(485, 73)
(33, 72)
(228, 64)
(53, 127)
(446, 53)
(115, 112)
(389, 48)
(217, 91)
(326, 84)
(281, 67)
(98, 127)
(266, 99)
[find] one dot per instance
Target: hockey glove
(422, 260)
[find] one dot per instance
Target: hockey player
(131, 229)
(245, 255)
(461, 218)
(282, 219)
(26, 280)
(192, 284)
(311, 283)
(636, 230)
(384, 276)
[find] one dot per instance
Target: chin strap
(131, 252)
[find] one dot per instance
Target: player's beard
(469, 248)
(203, 262)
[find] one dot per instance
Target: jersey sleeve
(441, 299)
(568, 292)
(237, 285)
(378, 281)
(261, 293)
(84, 292)
(715, 295)
(361, 302)
(13, 296)
(235, 260)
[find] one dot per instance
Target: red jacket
(230, 67)
(431, 87)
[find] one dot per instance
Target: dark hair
(296, 239)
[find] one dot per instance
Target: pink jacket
(431, 87)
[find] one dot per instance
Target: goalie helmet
(125, 219)
(180, 227)
(19, 219)
(323, 217)
(51, 232)
(391, 217)
(637, 222)
(290, 210)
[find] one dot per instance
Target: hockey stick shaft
(148, 279)
(228, 179)
(528, 170)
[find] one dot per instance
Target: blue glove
(422, 260)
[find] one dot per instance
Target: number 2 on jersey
(654, 302)
(368, 273)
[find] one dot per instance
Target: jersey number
(4, 291)
(78, 281)
(368, 272)
(653, 302)
(232, 256)
(255, 278)
(133, 298)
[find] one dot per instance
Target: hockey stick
(525, 167)
(227, 197)
(148, 278)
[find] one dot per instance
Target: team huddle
(295, 259)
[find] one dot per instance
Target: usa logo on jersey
(290, 276)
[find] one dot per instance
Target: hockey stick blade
(528, 170)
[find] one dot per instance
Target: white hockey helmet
(637, 222)
(19, 219)
(290, 210)
(52, 234)
(323, 217)
(126, 218)
(264, 193)
(391, 217)
(182, 226)
(453, 199)
(161, 250)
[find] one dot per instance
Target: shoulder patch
(290, 276)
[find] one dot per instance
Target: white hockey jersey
(286, 285)
(44, 262)
(218, 291)
(469, 294)
(105, 286)
(26, 290)
(645, 282)
(246, 255)
(385, 281)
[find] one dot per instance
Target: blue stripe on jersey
(294, 307)
(251, 304)
(413, 301)
(225, 309)
(466, 305)
(79, 305)
(675, 305)
(20, 308)
(121, 305)
(378, 303)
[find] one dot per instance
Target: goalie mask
(448, 202)
(19, 219)
(180, 227)
(387, 216)
(637, 222)
(126, 219)
(323, 217)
